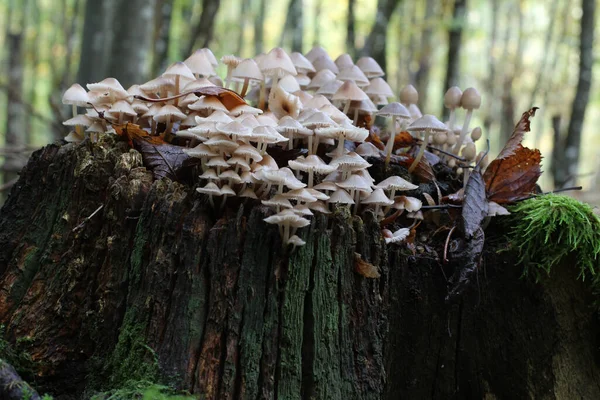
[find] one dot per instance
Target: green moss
(546, 229)
(144, 390)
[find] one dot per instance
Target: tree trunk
(582, 95)
(109, 276)
(350, 29)
(375, 45)
(490, 83)
(454, 47)
(162, 29)
(130, 51)
(97, 37)
(425, 50)
(239, 50)
(204, 29)
(259, 27)
(293, 26)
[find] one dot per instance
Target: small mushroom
(470, 100)
(427, 124)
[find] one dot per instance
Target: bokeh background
(517, 53)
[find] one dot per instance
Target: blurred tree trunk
(425, 49)
(454, 47)
(490, 82)
(375, 46)
(572, 149)
(317, 32)
(293, 26)
(14, 138)
(204, 29)
(410, 14)
(242, 25)
(130, 53)
(34, 21)
(350, 29)
(259, 27)
(162, 28)
(97, 37)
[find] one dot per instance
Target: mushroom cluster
(319, 109)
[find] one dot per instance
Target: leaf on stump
(514, 173)
(160, 157)
(364, 268)
(229, 98)
(475, 204)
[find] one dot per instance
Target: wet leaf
(475, 205)
(365, 268)
(229, 98)
(513, 177)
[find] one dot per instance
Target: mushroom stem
(421, 151)
(291, 140)
(228, 77)
(311, 173)
(262, 96)
(463, 132)
(310, 144)
(389, 147)
(245, 87)
(452, 118)
(355, 115)
(466, 173)
(346, 107)
(167, 135)
(340, 147)
(176, 90)
(316, 145)
(286, 233)
(210, 200)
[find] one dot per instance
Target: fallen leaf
(374, 138)
(513, 177)
(423, 171)
(403, 139)
(160, 157)
(229, 98)
(523, 126)
(475, 205)
(364, 268)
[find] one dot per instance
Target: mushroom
(348, 92)
(452, 101)
(427, 124)
(354, 74)
(470, 100)
(247, 70)
(310, 164)
(399, 236)
(378, 199)
(369, 67)
(76, 96)
(409, 97)
(232, 62)
(394, 183)
(177, 71)
(395, 111)
(276, 64)
(167, 114)
(320, 79)
(290, 222)
(344, 61)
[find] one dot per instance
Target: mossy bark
(157, 286)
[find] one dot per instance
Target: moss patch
(546, 229)
(144, 390)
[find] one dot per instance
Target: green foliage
(548, 228)
(144, 390)
(19, 359)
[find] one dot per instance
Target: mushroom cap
(73, 137)
(355, 182)
(267, 134)
(156, 85)
(121, 107)
(231, 60)
(350, 161)
(216, 116)
(210, 175)
(354, 74)
(289, 84)
(302, 64)
(169, 112)
(201, 150)
(398, 236)
(179, 69)
(427, 122)
(379, 87)
(249, 151)
(397, 183)
(277, 63)
(296, 241)
(200, 63)
(287, 217)
(409, 95)
(350, 91)
(230, 175)
(331, 186)
(279, 201)
(240, 162)
(344, 61)
(300, 195)
(378, 197)
(317, 194)
(341, 196)
(452, 97)
(210, 56)
(76, 95)
(317, 101)
(217, 161)
(222, 143)
(315, 52)
(197, 84)
(248, 69)
(79, 120)
(288, 124)
(325, 62)
(330, 88)
(249, 193)
(336, 115)
(321, 78)
(283, 103)
(369, 67)
(368, 149)
(394, 110)
(318, 120)
(245, 109)
(311, 162)
(471, 99)
(211, 103)
(210, 188)
(234, 128)
(410, 204)
(319, 206)
(107, 84)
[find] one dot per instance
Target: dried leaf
(523, 126)
(514, 177)
(160, 157)
(229, 98)
(475, 205)
(403, 139)
(364, 268)
(374, 139)
(423, 171)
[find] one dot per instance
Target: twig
(78, 227)
(553, 191)
(430, 147)
(446, 244)
(8, 185)
(441, 206)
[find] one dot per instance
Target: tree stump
(109, 276)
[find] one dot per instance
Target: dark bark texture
(156, 286)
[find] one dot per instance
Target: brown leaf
(160, 157)
(364, 268)
(423, 171)
(523, 126)
(374, 138)
(229, 98)
(403, 139)
(514, 177)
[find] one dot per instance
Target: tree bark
(239, 50)
(162, 28)
(130, 53)
(293, 26)
(586, 60)
(259, 27)
(425, 50)
(375, 45)
(454, 47)
(95, 46)
(350, 29)
(204, 29)
(111, 276)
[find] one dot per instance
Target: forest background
(517, 53)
